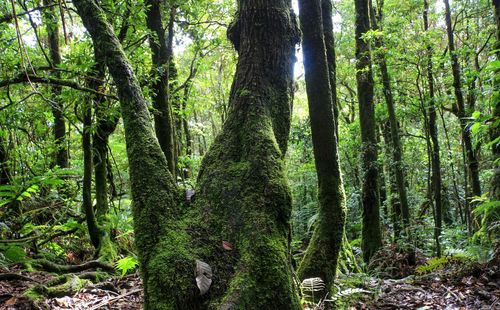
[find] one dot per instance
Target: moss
(60, 286)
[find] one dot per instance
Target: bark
(371, 235)
(320, 259)
(161, 53)
(59, 129)
(396, 152)
(433, 132)
(472, 162)
(242, 198)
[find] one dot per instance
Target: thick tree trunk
(372, 238)
(322, 254)
(433, 131)
(243, 198)
(161, 52)
(472, 163)
(59, 129)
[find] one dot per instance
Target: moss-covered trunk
(322, 254)
(495, 130)
(243, 198)
(4, 165)
(371, 235)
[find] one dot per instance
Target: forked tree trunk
(322, 254)
(371, 235)
(243, 198)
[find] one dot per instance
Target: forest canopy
(249, 154)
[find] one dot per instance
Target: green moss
(60, 286)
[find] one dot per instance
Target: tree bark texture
(320, 259)
(371, 234)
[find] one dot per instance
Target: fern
(126, 264)
(432, 265)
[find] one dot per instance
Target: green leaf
(126, 264)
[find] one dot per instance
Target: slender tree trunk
(326, 17)
(471, 163)
(396, 214)
(161, 51)
(433, 131)
(243, 199)
(322, 254)
(88, 208)
(106, 122)
(372, 238)
(4, 165)
(59, 129)
(389, 99)
(495, 129)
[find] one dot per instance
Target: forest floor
(454, 286)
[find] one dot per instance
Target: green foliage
(126, 264)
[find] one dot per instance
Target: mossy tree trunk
(243, 197)
(322, 254)
(371, 234)
(59, 129)
(161, 52)
(433, 132)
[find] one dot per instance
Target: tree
(322, 254)
(371, 235)
(161, 53)
(460, 110)
(243, 195)
(495, 130)
(433, 132)
(59, 129)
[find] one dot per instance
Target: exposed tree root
(46, 265)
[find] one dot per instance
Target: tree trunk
(371, 235)
(495, 129)
(320, 259)
(59, 129)
(4, 165)
(161, 52)
(396, 151)
(472, 163)
(243, 198)
(88, 208)
(106, 122)
(326, 15)
(433, 131)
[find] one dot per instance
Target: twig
(106, 302)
